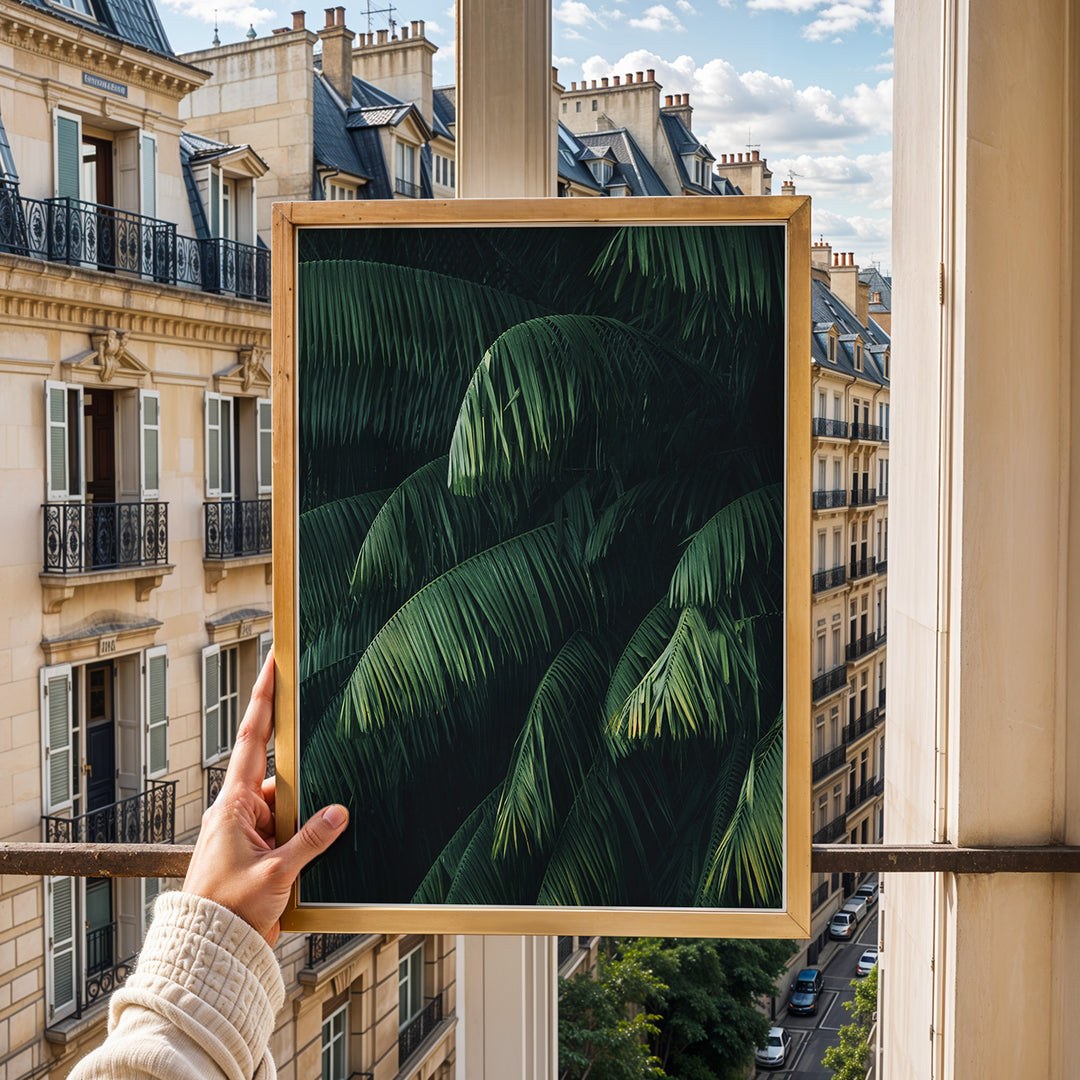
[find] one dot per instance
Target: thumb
(315, 836)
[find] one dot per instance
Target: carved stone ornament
(249, 375)
(110, 358)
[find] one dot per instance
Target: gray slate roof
(633, 166)
(683, 141)
(133, 21)
(827, 310)
(443, 101)
(878, 283)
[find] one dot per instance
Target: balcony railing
(407, 188)
(829, 762)
(829, 579)
(147, 818)
(321, 947)
(215, 777)
(881, 701)
(98, 237)
(81, 537)
(835, 429)
(860, 726)
(104, 973)
(882, 566)
(833, 831)
(863, 496)
(861, 646)
(820, 895)
(831, 681)
(566, 948)
(869, 432)
(237, 528)
(867, 790)
(863, 567)
(828, 500)
(418, 1029)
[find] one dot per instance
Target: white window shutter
(212, 443)
(56, 771)
(150, 444)
(151, 889)
(57, 437)
(211, 713)
(156, 712)
(266, 445)
(67, 154)
(60, 965)
(148, 175)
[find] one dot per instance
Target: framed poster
(541, 563)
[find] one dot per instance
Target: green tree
(540, 566)
(851, 1058)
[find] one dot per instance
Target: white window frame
(146, 137)
(223, 456)
(406, 977)
(152, 722)
(210, 685)
(56, 797)
(66, 494)
(60, 893)
(58, 114)
(264, 444)
(149, 431)
(332, 1038)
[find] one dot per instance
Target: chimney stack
(650, 75)
(337, 46)
(787, 187)
(298, 20)
(401, 65)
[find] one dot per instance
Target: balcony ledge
(216, 570)
(412, 1067)
(58, 589)
(69, 1032)
(342, 966)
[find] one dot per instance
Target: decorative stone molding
(341, 969)
(249, 376)
(109, 360)
(216, 571)
(58, 589)
(237, 625)
(106, 634)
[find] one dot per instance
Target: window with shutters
(228, 674)
(229, 198)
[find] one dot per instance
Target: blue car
(805, 992)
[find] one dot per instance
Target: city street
(812, 1035)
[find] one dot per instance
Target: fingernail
(335, 816)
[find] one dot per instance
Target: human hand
(236, 862)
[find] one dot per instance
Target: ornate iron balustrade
(215, 777)
(828, 579)
(829, 762)
(833, 831)
(863, 496)
(146, 818)
(107, 238)
(104, 973)
(831, 681)
(80, 537)
(407, 188)
(866, 432)
(882, 566)
(835, 429)
(820, 895)
(321, 947)
(860, 726)
(237, 528)
(863, 567)
(867, 790)
(829, 500)
(418, 1029)
(566, 948)
(861, 646)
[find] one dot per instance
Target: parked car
(857, 907)
(868, 890)
(867, 961)
(776, 1049)
(842, 926)
(805, 992)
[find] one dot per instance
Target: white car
(867, 961)
(775, 1051)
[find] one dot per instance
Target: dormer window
(601, 170)
(337, 190)
(832, 349)
(80, 7)
(875, 298)
(858, 356)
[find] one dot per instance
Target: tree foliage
(850, 1059)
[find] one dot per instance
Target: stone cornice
(83, 46)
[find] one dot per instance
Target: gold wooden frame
(791, 920)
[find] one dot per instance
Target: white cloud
(563, 61)
(657, 18)
(575, 13)
(433, 27)
(572, 35)
(833, 18)
(223, 12)
(864, 178)
(793, 7)
(686, 6)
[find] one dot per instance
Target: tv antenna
(387, 11)
(751, 145)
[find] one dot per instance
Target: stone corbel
(144, 586)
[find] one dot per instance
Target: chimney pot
(667, 101)
(415, 32)
(740, 157)
(629, 76)
(329, 17)
(339, 19)
(404, 33)
(615, 80)
(382, 37)
(419, 32)
(594, 84)
(650, 74)
(639, 77)
(835, 259)
(603, 82)
(573, 86)
(554, 73)
(757, 155)
(298, 20)
(280, 30)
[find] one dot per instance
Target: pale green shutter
(68, 156)
(150, 443)
(151, 889)
(266, 639)
(212, 443)
(266, 446)
(211, 688)
(148, 174)
(157, 711)
(56, 442)
(55, 684)
(59, 948)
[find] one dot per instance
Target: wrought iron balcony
(104, 972)
(863, 496)
(832, 832)
(834, 429)
(860, 726)
(882, 566)
(829, 682)
(321, 947)
(407, 188)
(418, 1029)
(820, 895)
(866, 432)
(828, 762)
(215, 777)
(235, 528)
(829, 579)
(861, 646)
(829, 500)
(81, 537)
(861, 568)
(99, 237)
(146, 818)
(881, 701)
(566, 948)
(866, 791)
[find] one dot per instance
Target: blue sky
(810, 81)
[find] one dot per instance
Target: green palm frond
(501, 605)
(645, 644)
(556, 738)
(713, 563)
(746, 868)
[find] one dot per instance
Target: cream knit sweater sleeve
(199, 1006)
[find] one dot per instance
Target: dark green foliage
(541, 574)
